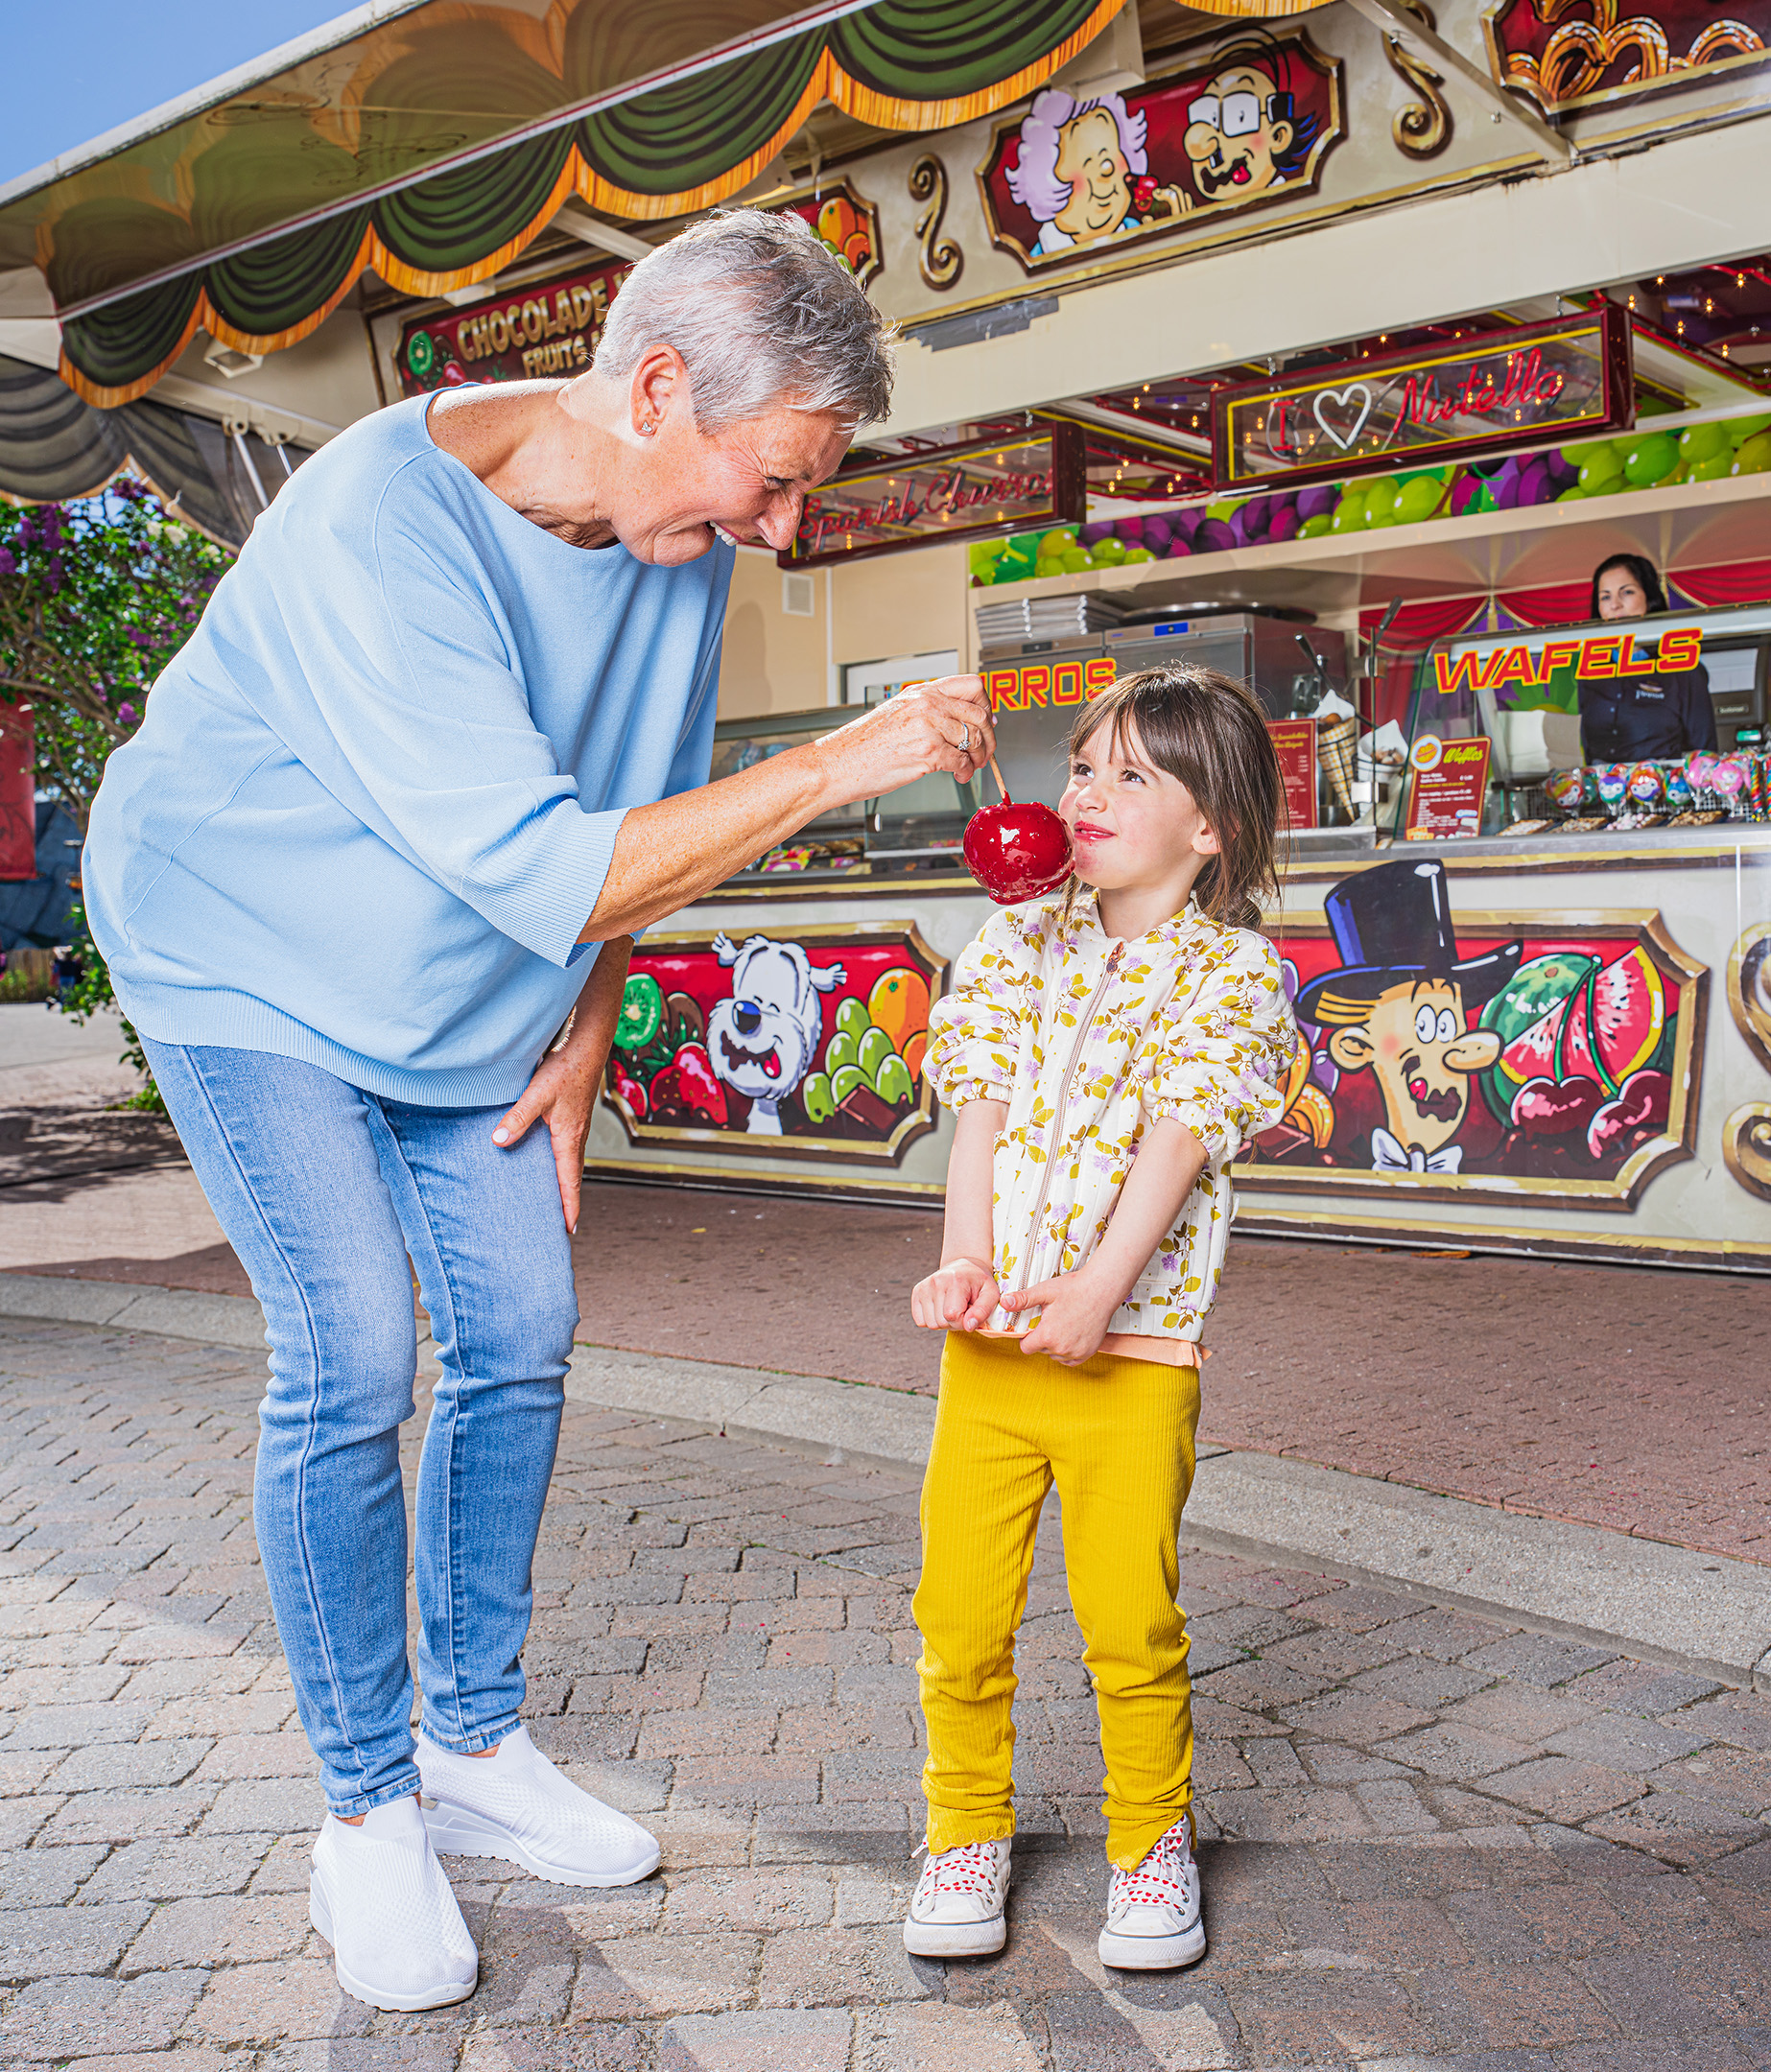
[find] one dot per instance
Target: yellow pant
(1117, 1437)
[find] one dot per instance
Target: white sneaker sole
(320, 1913)
(1152, 1953)
(457, 1832)
(956, 1939)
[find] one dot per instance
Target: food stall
(1561, 1045)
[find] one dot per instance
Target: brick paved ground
(1633, 1399)
(1431, 1842)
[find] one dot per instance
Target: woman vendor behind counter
(1640, 717)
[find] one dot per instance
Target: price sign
(1445, 799)
(1295, 743)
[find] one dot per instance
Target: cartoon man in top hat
(1399, 1004)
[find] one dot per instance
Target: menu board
(1295, 743)
(1450, 780)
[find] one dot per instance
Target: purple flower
(8, 562)
(54, 574)
(127, 715)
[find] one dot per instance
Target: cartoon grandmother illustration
(1244, 136)
(1398, 1005)
(1083, 173)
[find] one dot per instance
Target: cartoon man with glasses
(1244, 136)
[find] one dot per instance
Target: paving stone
(1631, 1686)
(1563, 1789)
(59, 2019)
(78, 1726)
(274, 1805)
(189, 1868)
(1422, 1679)
(267, 2003)
(1537, 1659)
(1679, 1830)
(839, 1967)
(42, 1941)
(665, 1974)
(797, 2039)
(108, 1767)
(45, 1877)
(197, 1932)
(129, 1816)
(1625, 1741)
(928, 2037)
(1736, 1778)
(758, 1902)
(1348, 1715)
(1454, 1751)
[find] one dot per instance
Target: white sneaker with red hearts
(957, 1909)
(1153, 1919)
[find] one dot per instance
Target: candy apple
(1017, 850)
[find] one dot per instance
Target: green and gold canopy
(180, 229)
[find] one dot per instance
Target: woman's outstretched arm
(666, 854)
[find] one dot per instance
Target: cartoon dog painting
(1398, 1005)
(763, 1039)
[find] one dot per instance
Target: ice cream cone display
(1334, 749)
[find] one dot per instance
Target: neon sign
(1538, 382)
(974, 491)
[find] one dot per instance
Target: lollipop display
(1016, 852)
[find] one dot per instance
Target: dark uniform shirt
(1645, 719)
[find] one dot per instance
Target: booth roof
(434, 144)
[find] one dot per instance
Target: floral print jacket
(1090, 1042)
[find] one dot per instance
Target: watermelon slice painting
(1606, 1025)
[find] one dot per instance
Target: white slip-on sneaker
(379, 1896)
(515, 1805)
(1153, 1919)
(957, 1907)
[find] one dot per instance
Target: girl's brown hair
(1206, 730)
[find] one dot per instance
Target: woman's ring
(965, 740)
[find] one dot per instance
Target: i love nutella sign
(1520, 385)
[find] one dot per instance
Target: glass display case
(917, 829)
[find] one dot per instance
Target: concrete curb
(227, 1320)
(1661, 1603)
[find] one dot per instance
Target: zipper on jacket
(1063, 1098)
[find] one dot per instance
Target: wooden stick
(1000, 785)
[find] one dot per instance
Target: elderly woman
(438, 749)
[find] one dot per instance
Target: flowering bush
(95, 599)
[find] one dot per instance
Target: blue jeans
(324, 1191)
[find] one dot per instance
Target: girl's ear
(1205, 842)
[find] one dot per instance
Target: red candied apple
(1017, 851)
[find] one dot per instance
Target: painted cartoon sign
(1568, 55)
(806, 1046)
(844, 222)
(1246, 123)
(1490, 1054)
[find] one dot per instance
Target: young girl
(1107, 1053)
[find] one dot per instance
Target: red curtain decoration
(1418, 626)
(1735, 582)
(1552, 604)
(1412, 631)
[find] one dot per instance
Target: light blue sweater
(374, 798)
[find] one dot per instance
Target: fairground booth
(1337, 346)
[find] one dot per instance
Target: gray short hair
(762, 312)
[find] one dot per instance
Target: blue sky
(78, 68)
